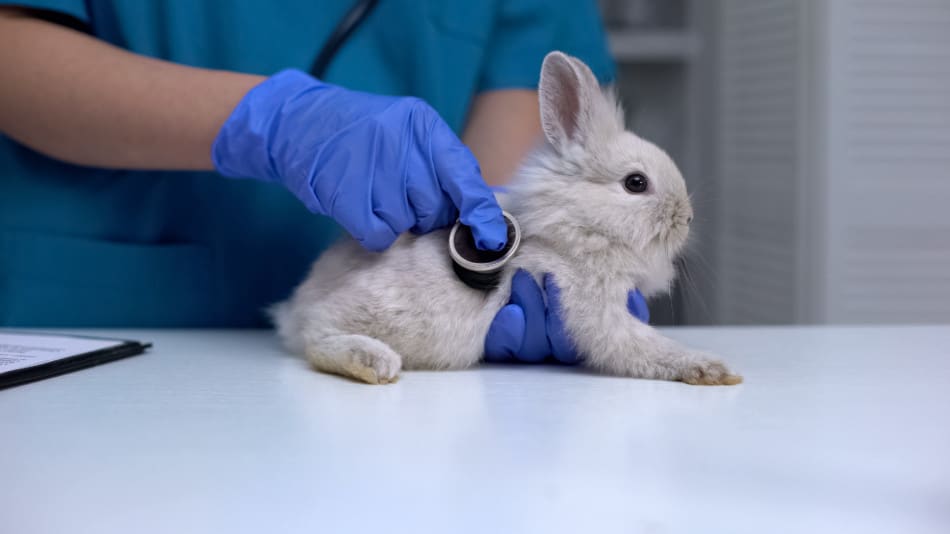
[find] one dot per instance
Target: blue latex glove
(378, 165)
(526, 330)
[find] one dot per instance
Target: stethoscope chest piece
(481, 269)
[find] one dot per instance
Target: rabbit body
(368, 315)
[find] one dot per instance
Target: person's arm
(503, 126)
(78, 99)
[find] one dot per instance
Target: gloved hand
(528, 331)
(378, 165)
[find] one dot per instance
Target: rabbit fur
(369, 315)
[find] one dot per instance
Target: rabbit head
(595, 192)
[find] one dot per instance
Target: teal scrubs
(83, 246)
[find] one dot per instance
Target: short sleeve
(526, 30)
(72, 8)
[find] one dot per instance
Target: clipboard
(30, 356)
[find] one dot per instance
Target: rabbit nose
(689, 219)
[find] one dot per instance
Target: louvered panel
(759, 116)
(889, 87)
(759, 289)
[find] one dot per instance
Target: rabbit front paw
(704, 370)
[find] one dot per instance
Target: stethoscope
(343, 30)
(478, 269)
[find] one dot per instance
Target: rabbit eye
(635, 183)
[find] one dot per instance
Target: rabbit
(584, 219)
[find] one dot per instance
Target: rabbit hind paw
(358, 357)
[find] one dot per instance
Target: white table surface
(835, 430)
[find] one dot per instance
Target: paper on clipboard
(18, 351)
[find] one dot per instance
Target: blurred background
(815, 139)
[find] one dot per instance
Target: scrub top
(83, 246)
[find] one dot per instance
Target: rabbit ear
(566, 92)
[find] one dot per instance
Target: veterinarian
(172, 163)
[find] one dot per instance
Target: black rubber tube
(347, 25)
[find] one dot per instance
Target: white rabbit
(368, 315)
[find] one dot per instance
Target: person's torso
(93, 247)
